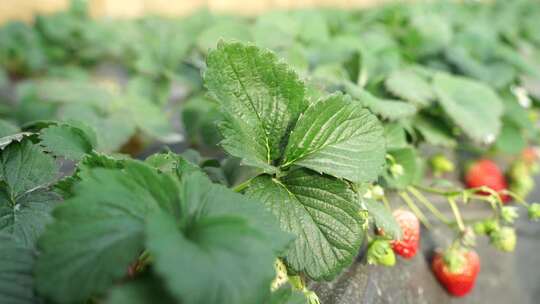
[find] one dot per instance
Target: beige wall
(25, 9)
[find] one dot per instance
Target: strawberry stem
(407, 199)
(516, 197)
(240, 187)
(457, 214)
(386, 203)
(420, 197)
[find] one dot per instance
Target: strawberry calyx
(454, 259)
(504, 239)
(534, 211)
(440, 164)
(380, 253)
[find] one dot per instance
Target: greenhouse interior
(269, 151)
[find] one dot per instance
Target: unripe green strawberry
(380, 253)
(521, 181)
(440, 164)
(479, 228)
(281, 275)
(504, 239)
(509, 214)
(534, 211)
(486, 226)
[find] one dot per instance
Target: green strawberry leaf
(90, 161)
(385, 108)
(17, 137)
(16, 272)
(26, 217)
(395, 136)
(58, 90)
(434, 131)
(99, 233)
(7, 128)
(24, 168)
(144, 290)
(261, 98)
(26, 173)
(230, 240)
(472, 105)
(322, 211)
(67, 141)
(409, 85)
(200, 116)
(511, 140)
(338, 137)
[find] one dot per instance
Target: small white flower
(522, 96)
(489, 139)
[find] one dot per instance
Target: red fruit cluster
(486, 173)
(461, 281)
(410, 234)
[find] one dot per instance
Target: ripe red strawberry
(410, 233)
(486, 173)
(456, 270)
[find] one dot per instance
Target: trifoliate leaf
(323, 213)
(410, 86)
(338, 137)
(231, 242)
(67, 141)
(261, 97)
(472, 105)
(98, 232)
(16, 272)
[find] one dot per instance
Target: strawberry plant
(318, 139)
